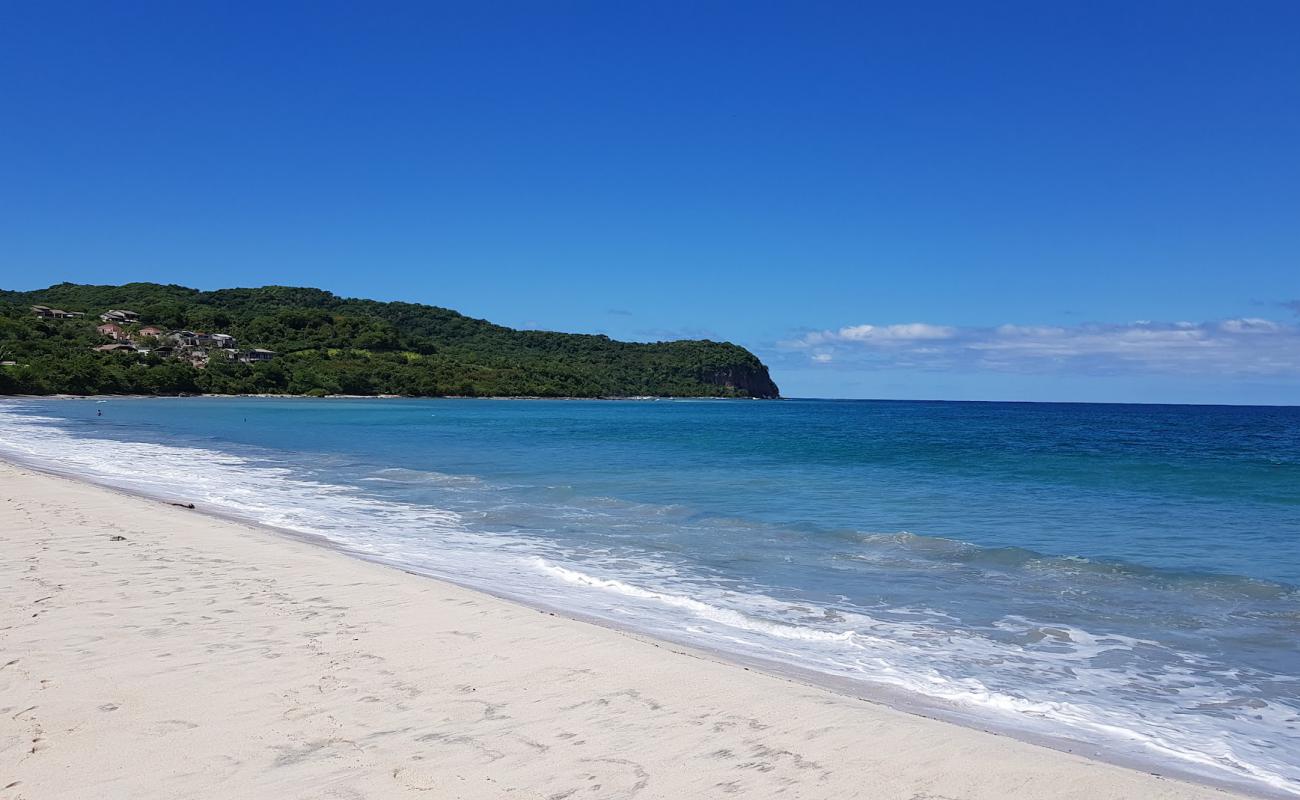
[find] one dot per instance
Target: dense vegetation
(332, 345)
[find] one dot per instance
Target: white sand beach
(149, 651)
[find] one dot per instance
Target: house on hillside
(55, 313)
(256, 355)
(198, 347)
(191, 339)
(151, 330)
(115, 348)
(120, 316)
(112, 330)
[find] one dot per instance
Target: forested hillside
(325, 344)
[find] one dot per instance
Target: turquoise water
(1121, 576)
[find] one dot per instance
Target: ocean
(1120, 580)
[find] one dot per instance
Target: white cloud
(909, 332)
(1250, 346)
(1249, 325)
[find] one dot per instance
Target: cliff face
(746, 379)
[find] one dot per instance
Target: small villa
(55, 313)
(189, 338)
(112, 330)
(120, 316)
(151, 330)
(115, 348)
(256, 355)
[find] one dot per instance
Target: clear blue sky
(1070, 200)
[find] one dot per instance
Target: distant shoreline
(648, 398)
(370, 397)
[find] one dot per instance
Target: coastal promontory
(148, 338)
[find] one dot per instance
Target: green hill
(325, 344)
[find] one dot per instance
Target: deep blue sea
(1121, 576)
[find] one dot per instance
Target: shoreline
(681, 657)
(107, 397)
(647, 398)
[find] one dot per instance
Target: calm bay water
(1123, 576)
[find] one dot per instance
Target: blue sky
(1065, 201)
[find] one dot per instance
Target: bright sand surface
(198, 657)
